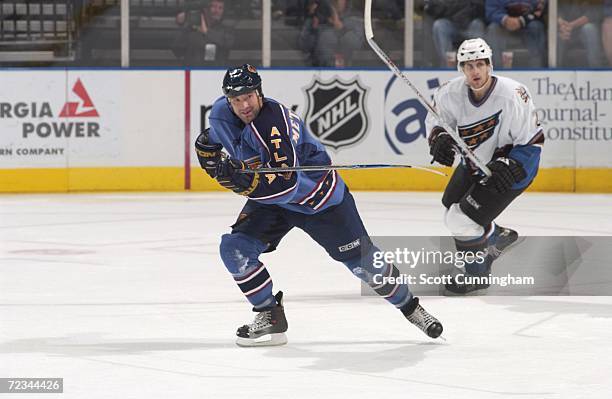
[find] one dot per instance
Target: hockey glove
(442, 149)
(209, 154)
(504, 173)
(228, 176)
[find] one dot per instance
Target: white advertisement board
(74, 118)
(115, 118)
(371, 116)
(575, 110)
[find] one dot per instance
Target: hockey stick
(464, 149)
(312, 168)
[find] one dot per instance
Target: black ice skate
(268, 328)
(420, 318)
(506, 238)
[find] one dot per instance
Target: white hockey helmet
(473, 49)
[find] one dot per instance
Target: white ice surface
(125, 296)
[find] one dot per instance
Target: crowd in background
(332, 30)
(330, 33)
(502, 21)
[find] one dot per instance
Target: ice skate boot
(505, 239)
(268, 328)
(420, 318)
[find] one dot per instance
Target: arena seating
(37, 31)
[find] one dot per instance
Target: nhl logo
(336, 112)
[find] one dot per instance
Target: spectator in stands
(204, 39)
(606, 28)
(578, 21)
(523, 18)
(455, 21)
(393, 9)
(331, 33)
(294, 11)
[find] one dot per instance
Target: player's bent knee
(460, 225)
(239, 252)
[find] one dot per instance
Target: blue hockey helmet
(241, 80)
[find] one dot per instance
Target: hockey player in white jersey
(495, 116)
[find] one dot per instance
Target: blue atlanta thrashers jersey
(277, 138)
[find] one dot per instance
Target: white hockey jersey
(503, 118)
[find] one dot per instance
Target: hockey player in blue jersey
(258, 131)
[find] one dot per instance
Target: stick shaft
(465, 150)
(313, 168)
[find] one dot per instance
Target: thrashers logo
(79, 109)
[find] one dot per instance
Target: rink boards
(87, 130)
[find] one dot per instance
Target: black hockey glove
(209, 154)
(504, 173)
(228, 176)
(442, 149)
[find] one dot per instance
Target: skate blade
(265, 340)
